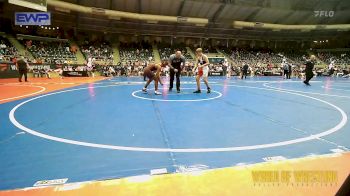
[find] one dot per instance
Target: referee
(309, 66)
(176, 63)
(244, 70)
(22, 67)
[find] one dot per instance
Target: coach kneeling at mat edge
(176, 63)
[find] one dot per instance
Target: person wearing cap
(22, 67)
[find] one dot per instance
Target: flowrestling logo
(33, 18)
(324, 13)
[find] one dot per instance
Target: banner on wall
(12, 67)
(75, 74)
(33, 18)
(216, 73)
(9, 70)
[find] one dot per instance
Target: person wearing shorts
(202, 67)
(152, 72)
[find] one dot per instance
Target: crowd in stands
(135, 51)
(208, 49)
(7, 51)
(135, 56)
(260, 61)
(129, 68)
(100, 51)
(339, 57)
(269, 57)
(296, 57)
(50, 51)
(241, 55)
(264, 61)
(165, 50)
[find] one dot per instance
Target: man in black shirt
(290, 70)
(309, 66)
(245, 71)
(22, 67)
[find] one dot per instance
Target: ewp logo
(33, 18)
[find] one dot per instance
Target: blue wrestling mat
(111, 129)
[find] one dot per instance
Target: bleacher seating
(263, 56)
(167, 51)
(135, 52)
(208, 49)
(50, 51)
(339, 57)
(99, 51)
(134, 56)
(253, 56)
(7, 50)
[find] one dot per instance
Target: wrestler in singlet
(202, 71)
(150, 70)
(202, 66)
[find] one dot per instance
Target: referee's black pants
(308, 77)
(172, 77)
(244, 74)
(22, 72)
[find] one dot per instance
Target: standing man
(90, 66)
(290, 68)
(22, 67)
(202, 66)
(309, 66)
(285, 68)
(245, 70)
(224, 67)
(229, 70)
(331, 68)
(176, 63)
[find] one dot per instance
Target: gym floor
(98, 129)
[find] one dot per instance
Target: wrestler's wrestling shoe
(157, 93)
